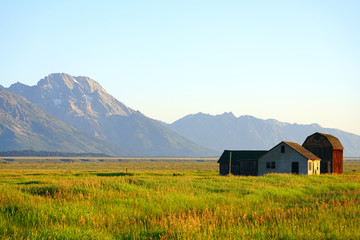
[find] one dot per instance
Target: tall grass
(62, 204)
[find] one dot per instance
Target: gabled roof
(237, 156)
(303, 151)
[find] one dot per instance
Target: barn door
(329, 167)
(249, 168)
(295, 167)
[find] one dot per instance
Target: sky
(294, 61)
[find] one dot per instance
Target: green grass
(171, 200)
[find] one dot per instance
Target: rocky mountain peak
(67, 81)
(19, 87)
(26, 126)
(79, 101)
(84, 104)
(227, 115)
(89, 85)
(57, 80)
(78, 96)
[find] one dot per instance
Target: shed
(242, 162)
(329, 149)
(289, 157)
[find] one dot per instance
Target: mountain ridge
(84, 104)
(226, 131)
(25, 126)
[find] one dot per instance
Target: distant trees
(32, 153)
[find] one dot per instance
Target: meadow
(171, 199)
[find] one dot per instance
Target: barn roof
(303, 151)
(333, 141)
(237, 156)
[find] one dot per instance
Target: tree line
(33, 153)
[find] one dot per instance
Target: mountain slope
(83, 103)
(25, 126)
(246, 132)
(79, 101)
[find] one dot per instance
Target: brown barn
(329, 149)
(242, 162)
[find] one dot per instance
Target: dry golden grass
(99, 200)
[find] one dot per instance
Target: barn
(289, 157)
(329, 149)
(242, 162)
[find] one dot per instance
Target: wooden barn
(242, 162)
(289, 157)
(329, 149)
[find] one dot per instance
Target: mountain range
(75, 114)
(84, 104)
(25, 126)
(227, 131)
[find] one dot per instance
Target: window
(282, 149)
(272, 165)
(309, 166)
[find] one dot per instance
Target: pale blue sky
(295, 61)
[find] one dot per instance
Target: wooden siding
(244, 168)
(248, 168)
(224, 168)
(337, 163)
(325, 154)
(329, 149)
(243, 163)
(315, 167)
(284, 162)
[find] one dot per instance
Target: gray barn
(289, 157)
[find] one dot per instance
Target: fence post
(230, 164)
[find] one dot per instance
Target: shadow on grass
(67, 160)
(112, 174)
(31, 182)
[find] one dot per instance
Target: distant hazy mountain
(83, 103)
(226, 131)
(25, 126)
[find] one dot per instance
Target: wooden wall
(283, 161)
(224, 168)
(325, 154)
(331, 158)
(337, 163)
(244, 168)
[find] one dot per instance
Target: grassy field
(166, 199)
